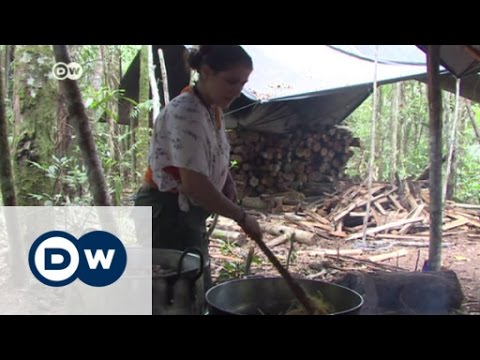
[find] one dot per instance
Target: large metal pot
(272, 296)
(180, 289)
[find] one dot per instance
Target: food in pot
(321, 306)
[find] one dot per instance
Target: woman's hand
(251, 226)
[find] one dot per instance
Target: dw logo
(57, 258)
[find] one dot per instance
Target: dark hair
(219, 57)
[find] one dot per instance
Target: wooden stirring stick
(294, 286)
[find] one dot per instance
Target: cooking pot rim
(276, 278)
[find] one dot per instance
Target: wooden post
(435, 178)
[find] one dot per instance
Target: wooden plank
(359, 203)
(297, 220)
(454, 224)
(357, 214)
(379, 220)
(401, 237)
(339, 227)
(391, 255)
(466, 206)
(317, 217)
(323, 227)
(391, 225)
(412, 201)
(393, 199)
(469, 218)
(379, 207)
(415, 213)
(367, 262)
(331, 252)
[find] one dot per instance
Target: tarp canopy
(284, 72)
(314, 85)
(297, 85)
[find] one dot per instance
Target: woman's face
(225, 86)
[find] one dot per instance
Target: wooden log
(304, 237)
(279, 240)
(228, 235)
(406, 292)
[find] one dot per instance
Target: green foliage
(233, 269)
(69, 179)
(412, 139)
(234, 164)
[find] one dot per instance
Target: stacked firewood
(303, 160)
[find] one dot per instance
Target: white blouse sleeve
(180, 139)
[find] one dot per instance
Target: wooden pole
(435, 142)
(372, 147)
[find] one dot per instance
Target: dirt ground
(462, 255)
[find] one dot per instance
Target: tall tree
(6, 174)
(394, 138)
(449, 184)
(79, 119)
(16, 248)
(144, 113)
(34, 105)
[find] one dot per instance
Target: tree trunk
(395, 115)
(473, 120)
(143, 130)
(16, 249)
(379, 135)
(401, 135)
(6, 174)
(109, 106)
(449, 184)
(34, 103)
(458, 154)
(80, 121)
(435, 185)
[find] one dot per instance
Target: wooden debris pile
(398, 213)
(328, 227)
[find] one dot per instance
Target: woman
(188, 176)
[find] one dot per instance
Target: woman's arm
(199, 188)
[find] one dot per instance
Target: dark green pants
(173, 228)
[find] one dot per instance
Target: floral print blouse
(185, 136)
